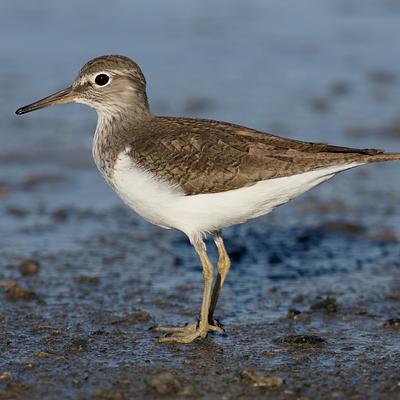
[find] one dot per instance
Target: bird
(197, 176)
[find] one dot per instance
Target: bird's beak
(62, 97)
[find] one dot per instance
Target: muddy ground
(300, 321)
(311, 306)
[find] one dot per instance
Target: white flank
(167, 206)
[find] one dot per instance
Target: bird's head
(109, 84)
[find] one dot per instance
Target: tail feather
(382, 157)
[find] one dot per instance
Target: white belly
(167, 206)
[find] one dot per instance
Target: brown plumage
(203, 156)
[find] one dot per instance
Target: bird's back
(205, 156)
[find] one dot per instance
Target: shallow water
(323, 71)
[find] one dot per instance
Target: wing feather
(203, 156)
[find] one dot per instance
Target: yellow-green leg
(189, 333)
(224, 264)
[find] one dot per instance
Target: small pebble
(16, 292)
(29, 267)
(302, 340)
(6, 376)
(392, 323)
(77, 344)
(293, 313)
(108, 395)
(328, 305)
(87, 280)
(265, 381)
(164, 383)
(140, 316)
(298, 298)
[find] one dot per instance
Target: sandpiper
(198, 176)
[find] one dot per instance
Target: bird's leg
(189, 333)
(224, 264)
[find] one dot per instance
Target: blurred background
(312, 70)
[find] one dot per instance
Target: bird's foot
(187, 333)
(216, 325)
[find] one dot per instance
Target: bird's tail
(382, 157)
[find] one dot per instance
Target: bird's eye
(101, 79)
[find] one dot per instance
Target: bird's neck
(112, 135)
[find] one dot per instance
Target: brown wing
(203, 156)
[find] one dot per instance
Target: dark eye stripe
(101, 79)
